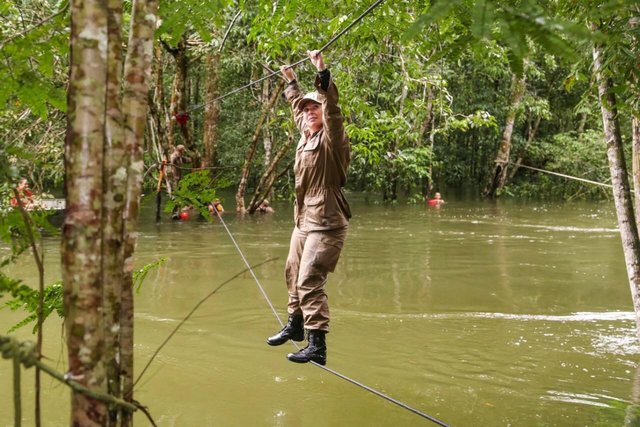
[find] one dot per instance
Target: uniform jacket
(321, 162)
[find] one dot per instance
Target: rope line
(564, 176)
(264, 294)
(193, 310)
(323, 48)
(24, 353)
(336, 373)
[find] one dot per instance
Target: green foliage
(582, 156)
(33, 55)
(195, 189)
(140, 275)
(27, 299)
(512, 25)
(179, 18)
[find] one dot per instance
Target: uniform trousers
(312, 256)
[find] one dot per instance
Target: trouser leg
(292, 267)
(320, 254)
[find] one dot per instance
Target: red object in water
(433, 202)
(182, 118)
(184, 216)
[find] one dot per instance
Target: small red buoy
(184, 216)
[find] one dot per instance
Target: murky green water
(477, 314)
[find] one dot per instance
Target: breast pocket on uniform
(312, 144)
(310, 152)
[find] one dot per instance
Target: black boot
(316, 351)
(293, 330)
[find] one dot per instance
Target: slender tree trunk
(618, 169)
(212, 110)
(267, 143)
(533, 129)
(251, 150)
(429, 127)
(137, 74)
(114, 188)
(635, 135)
(582, 123)
(159, 104)
(81, 234)
(499, 174)
(392, 174)
(266, 180)
(179, 96)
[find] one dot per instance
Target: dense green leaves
(195, 190)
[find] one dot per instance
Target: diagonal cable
(336, 373)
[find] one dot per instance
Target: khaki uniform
(321, 211)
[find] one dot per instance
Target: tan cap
(310, 97)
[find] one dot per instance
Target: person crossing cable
(321, 211)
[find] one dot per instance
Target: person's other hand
(316, 59)
(288, 73)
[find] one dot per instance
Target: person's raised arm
(333, 119)
(293, 94)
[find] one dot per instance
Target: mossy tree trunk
(103, 160)
(137, 74)
(114, 188)
(81, 233)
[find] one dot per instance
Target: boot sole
(317, 360)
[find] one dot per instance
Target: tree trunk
(533, 129)
(159, 104)
(179, 97)
(635, 135)
(618, 169)
(137, 74)
(114, 188)
(499, 174)
(251, 150)
(267, 143)
(212, 110)
(429, 126)
(267, 179)
(81, 233)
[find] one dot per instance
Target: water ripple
(574, 317)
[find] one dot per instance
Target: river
(477, 313)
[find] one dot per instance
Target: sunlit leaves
(179, 17)
(510, 24)
(35, 49)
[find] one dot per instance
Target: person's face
(22, 184)
(312, 113)
(438, 195)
